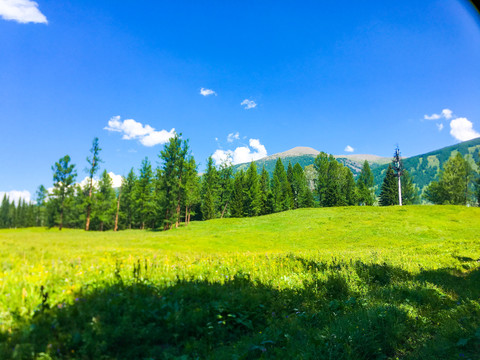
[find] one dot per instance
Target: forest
(175, 192)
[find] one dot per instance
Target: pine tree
(210, 191)
(350, 188)
(127, 205)
(252, 202)
(41, 195)
(453, 186)
(5, 221)
(302, 194)
(144, 194)
(64, 175)
(192, 188)
(237, 202)
(397, 166)
(266, 205)
(409, 190)
(365, 186)
(105, 200)
(94, 162)
(225, 186)
(174, 157)
(321, 167)
(281, 189)
(389, 190)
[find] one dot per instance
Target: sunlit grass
(418, 262)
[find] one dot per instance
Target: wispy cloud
(248, 104)
(439, 126)
(22, 11)
(462, 129)
(445, 114)
(233, 136)
(207, 92)
(132, 129)
(348, 148)
(16, 195)
(241, 154)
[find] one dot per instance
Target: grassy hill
(339, 283)
(424, 168)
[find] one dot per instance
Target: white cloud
(206, 92)
(233, 136)
(445, 114)
(348, 148)
(16, 195)
(241, 154)
(22, 11)
(439, 126)
(132, 129)
(249, 104)
(462, 129)
(116, 180)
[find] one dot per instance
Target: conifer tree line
(175, 193)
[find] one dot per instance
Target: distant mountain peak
(296, 151)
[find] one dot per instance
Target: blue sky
(340, 77)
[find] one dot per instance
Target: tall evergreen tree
(266, 205)
(5, 221)
(302, 194)
(389, 190)
(173, 156)
(64, 175)
(225, 186)
(105, 199)
(192, 188)
(210, 191)
(41, 195)
(365, 184)
(281, 189)
(127, 205)
(94, 162)
(252, 202)
(237, 201)
(145, 207)
(409, 190)
(453, 186)
(350, 188)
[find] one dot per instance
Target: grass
(338, 283)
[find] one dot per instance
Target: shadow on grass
(244, 319)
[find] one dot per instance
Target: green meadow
(325, 283)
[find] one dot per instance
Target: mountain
(423, 168)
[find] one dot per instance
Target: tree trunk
(118, 209)
(186, 215)
(89, 206)
(60, 226)
(101, 225)
(178, 201)
(399, 190)
(224, 209)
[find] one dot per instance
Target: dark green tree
(174, 158)
(389, 190)
(454, 183)
(144, 187)
(127, 205)
(237, 202)
(365, 184)
(281, 189)
(192, 188)
(209, 192)
(41, 197)
(252, 201)
(105, 202)
(266, 205)
(225, 186)
(409, 190)
(349, 188)
(94, 162)
(64, 175)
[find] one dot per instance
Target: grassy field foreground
(337, 283)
